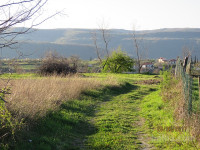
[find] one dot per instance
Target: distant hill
(159, 43)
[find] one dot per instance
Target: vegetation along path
(121, 117)
(118, 120)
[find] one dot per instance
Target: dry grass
(177, 101)
(33, 98)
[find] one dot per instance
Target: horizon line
(181, 28)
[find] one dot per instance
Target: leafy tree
(118, 62)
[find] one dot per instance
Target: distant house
(172, 62)
(147, 65)
(162, 60)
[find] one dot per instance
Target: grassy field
(121, 112)
(33, 65)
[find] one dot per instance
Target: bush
(54, 64)
(8, 124)
(118, 62)
(167, 79)
(167, 83)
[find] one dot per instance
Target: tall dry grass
(175, 95)
(33, 98)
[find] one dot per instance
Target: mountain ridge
(166, 42)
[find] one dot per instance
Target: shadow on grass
(68, 127)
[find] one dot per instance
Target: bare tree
(17, 13)
(94, 37)
(186, 51)
(103, 38)
(74, 60)
(140, 49)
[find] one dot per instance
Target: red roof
(147, 63)
(172, 60)
(162, 58)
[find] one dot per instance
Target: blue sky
(124, 14)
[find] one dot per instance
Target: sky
(123, 14)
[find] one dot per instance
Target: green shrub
(168, 81)
(118, 62)
(8, 124)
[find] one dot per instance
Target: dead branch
(94, 37)
(18, 12)
(14, 13)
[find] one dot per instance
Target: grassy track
(117, 121)
(73, 126)
(122, 117)
(101, 119)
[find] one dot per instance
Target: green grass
(195, 96)
(28, 66)
(123, 77)
(73, 124)
(117, 121)
(18, 76)
(64, 129)
(24, 65)
(122, 117)
(157, 114)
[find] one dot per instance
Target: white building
(172, 62)
(147, 65)
(162, 60)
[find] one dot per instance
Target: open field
(94, 111)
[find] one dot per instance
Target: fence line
(183, 73)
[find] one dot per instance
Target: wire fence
(190, 86)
